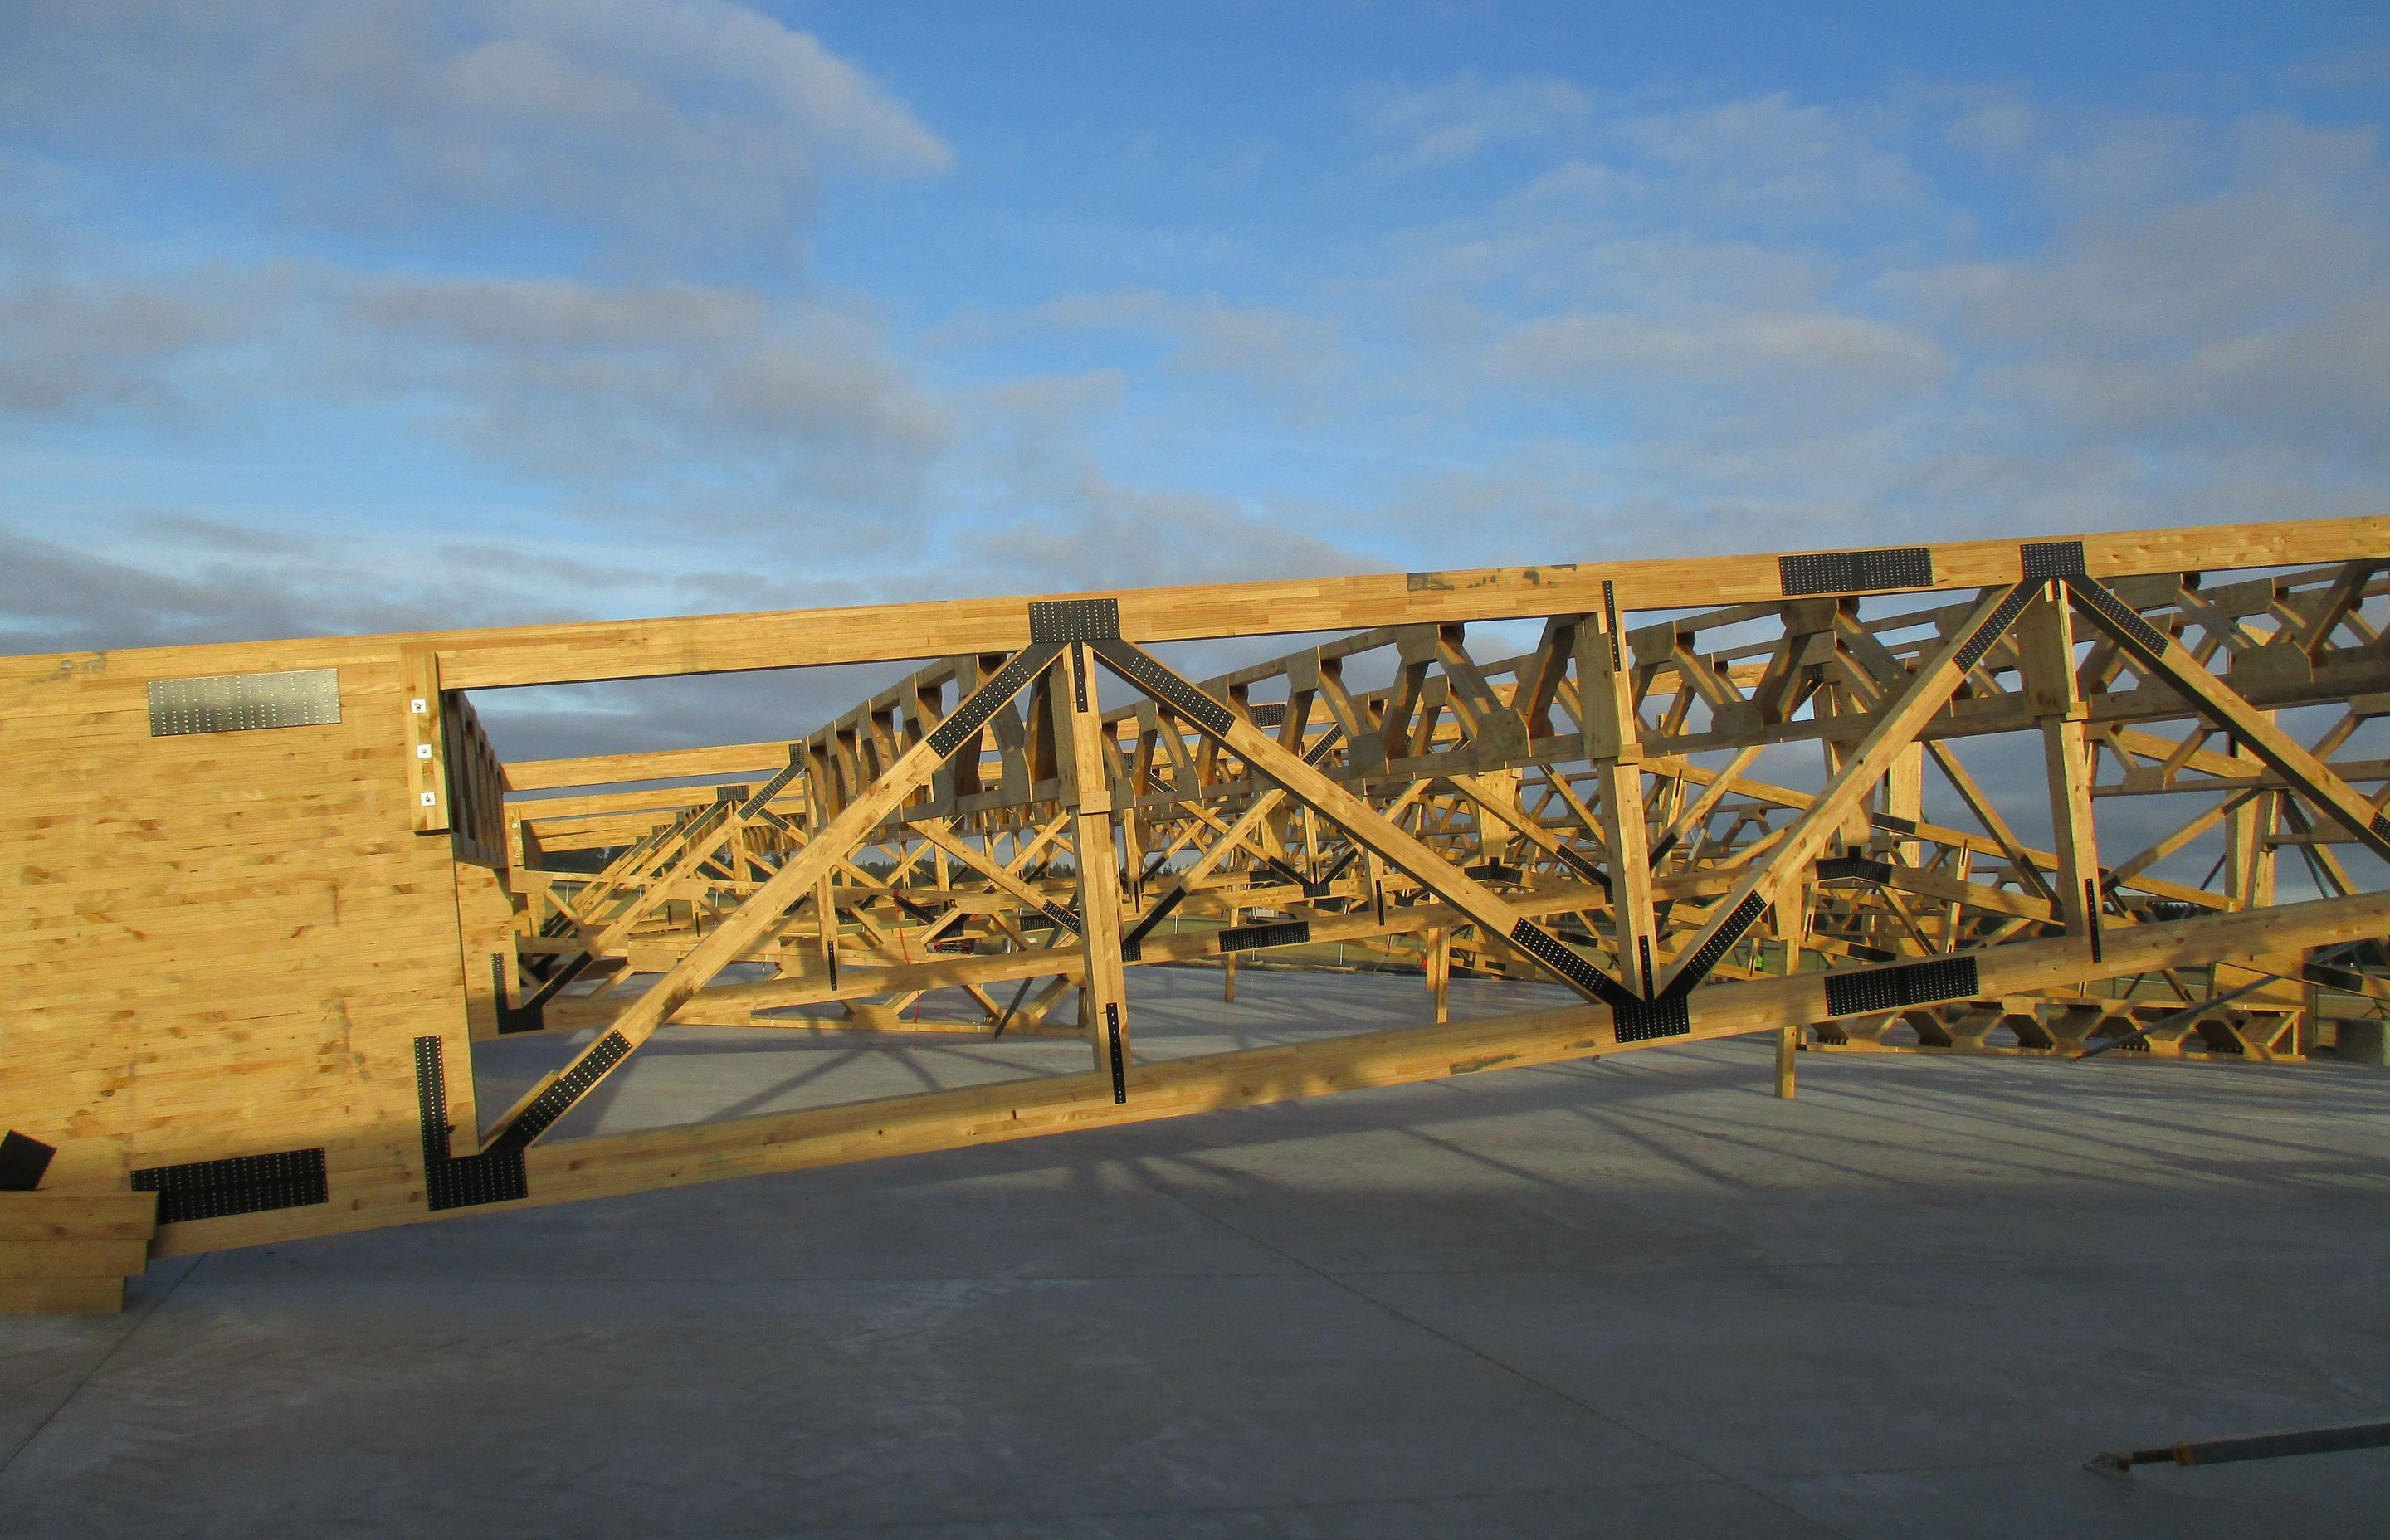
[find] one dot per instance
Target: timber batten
(268, 894)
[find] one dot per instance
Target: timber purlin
(243, 1183)
(1855, 571)
(1254, 938)
(1915, 983)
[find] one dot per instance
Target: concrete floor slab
(1634, 1297)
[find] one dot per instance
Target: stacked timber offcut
(68, 1254)
(64, 1252)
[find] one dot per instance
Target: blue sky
(332, 318)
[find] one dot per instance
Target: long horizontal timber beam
(597, 650)
(882, 633)
(611, 1165)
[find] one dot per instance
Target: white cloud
(1272, 345)
(1454, 123)
(668, 124)
(1819, 359)
(1771, 156)
(638, 392)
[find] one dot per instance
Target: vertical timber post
(1615, 746)
(2046, 637)
(1087, 791)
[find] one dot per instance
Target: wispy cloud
(671, 126)
(1454, 123)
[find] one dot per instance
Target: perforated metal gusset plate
(1641, 1020)
(1582, 867)
(458, 1183)
(1549, 950)
(2052, 559)
(2116, 613)
(1074, 621)
(568, 1088)
(245, 1183)
(1855, 571)
(1269, 713)
(1995, 626)
(1252, 938)
(1915, 983)
(751, 805)
(990, 697)
(1133, 944)
(239, 702)
(1839, 868)
(1698, 966)
(1148, 673)
(1120, 1059)
(1060, 917)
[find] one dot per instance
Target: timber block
(65, 1253)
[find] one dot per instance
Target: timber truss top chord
(1412, 804)
(1698, 799)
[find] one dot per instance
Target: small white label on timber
(430, 799)
(422, 707)
(423, 751)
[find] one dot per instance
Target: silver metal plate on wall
(236, 702)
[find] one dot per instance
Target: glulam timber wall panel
(218, 944)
